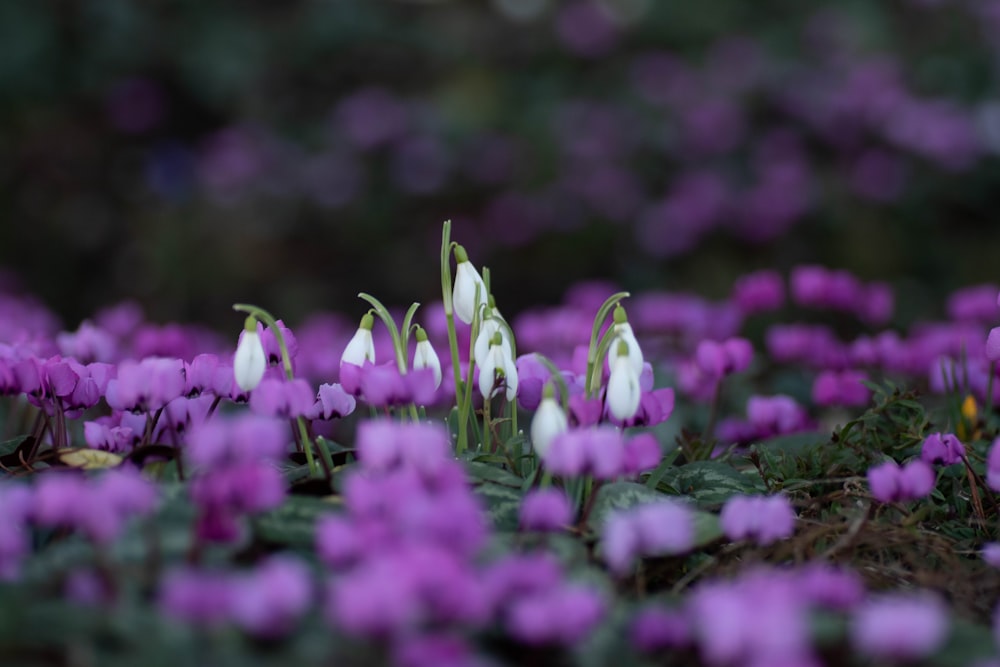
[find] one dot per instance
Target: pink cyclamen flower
(656, 529)
(267, 601)
(993, 344)
(900, 626)
(891, 483)
(841, 388)
(943, 448)
(759, 292)
(991, 554)
(763, 519)
(545, 510)
(332, 402)
(282, 398)
(598, 451)
(658, 629)
(993, 466)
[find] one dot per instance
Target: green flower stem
(595, 332)
(286, 361)
(593, 379)
(486, 425)
(268, 319)
(398, 342)
(449, 314)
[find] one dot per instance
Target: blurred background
(190, 154)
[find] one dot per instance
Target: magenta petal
(993, 344)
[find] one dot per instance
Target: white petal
(548, 422)
(464, 294)
(623, 390)
(360, 348)
(250, 362)
(487, 373)
(424, 356)
(624, 332)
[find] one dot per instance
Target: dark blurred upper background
(190, 154)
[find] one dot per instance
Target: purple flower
(146, 385)
(383, 385)
(899, 626)
(202, 598)
(563, 614)
(976, 303)
(656, 529)
(993, 466)
(598, 451)
(377, 599)
(891, 483)
(245, 438)
(282, 398)
(717, 360)
(89, 343)
(759, 292)
(656, 629)
(775, 415)
(383, 444)
(831, 587)
(942, 448)
(758, 619)
(763, 519)
(332, 402)
(245, 487)
(991, 553)
(269, 600)
(113, 498)
(436, 651)
(545, 510)
(841, 388)
(15, 542)
(200, 374)
(642, 453)
(104, 434)
(270, 342)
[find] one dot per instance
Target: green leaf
(621, 496)
(502, 504)
(967, 643)
(10, 446)
(294, 523)
(711, 483)
(795, 443)
(485, 472)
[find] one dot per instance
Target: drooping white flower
(548, 422)
(250, 361)
(361, 346)
(622, 331)
(424, 356)
(467, 279)
(491, 324)
(497, 368)
(624, 392)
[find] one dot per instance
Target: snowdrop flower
(548, 422)
(250, 361)
(361, 347)
(624, 393)
(497, 364)
(467, 279)
(491, 324)
(622, 331)
(424, 356)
